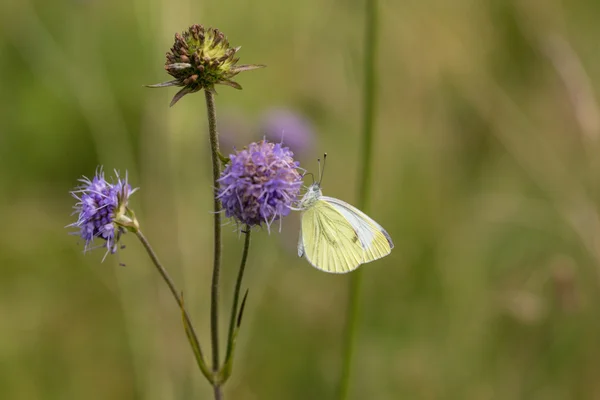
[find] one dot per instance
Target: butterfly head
(314, 191)
(311, 196)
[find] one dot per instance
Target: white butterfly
(337, 237)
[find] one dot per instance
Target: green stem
(176, 294)
(214, 298)
(236, 294)
(364, 185)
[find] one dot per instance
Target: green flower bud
(200, 59)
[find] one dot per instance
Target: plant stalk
(370, 53)
(214, 297)
(236, 294)
(176, 294)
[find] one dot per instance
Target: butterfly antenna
(322, 170)
(319, 168)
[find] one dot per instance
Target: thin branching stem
(176, 293)
(214, 294)
(370, 54)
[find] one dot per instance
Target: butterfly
(336, 237)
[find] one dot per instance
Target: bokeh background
(486, 175)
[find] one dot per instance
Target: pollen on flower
(99, 206)
(260, 184)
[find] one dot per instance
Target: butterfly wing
(328, 240)
(375, 241)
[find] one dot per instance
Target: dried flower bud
(260, 184)
(200, 59)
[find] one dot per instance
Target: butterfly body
(336, 237)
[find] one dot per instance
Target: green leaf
(225, 371)
(224, 160)
(195, 345)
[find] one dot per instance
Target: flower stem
(364, 185)
(218, 392)
(236, 295)
(176, 294)
(214, 297)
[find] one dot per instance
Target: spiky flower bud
(200, 59)
(260, 183)
(103, 211)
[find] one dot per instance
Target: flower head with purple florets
(102, 210)
(260, 183)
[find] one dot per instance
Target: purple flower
(289, 127)
(260, 184)
(100, 205)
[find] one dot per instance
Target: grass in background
(488, 185)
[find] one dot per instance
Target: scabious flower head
(102, 211)
(260, 183)
(200, 59)
(288, 126)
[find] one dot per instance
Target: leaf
(224, 160)
(180, 94)
(233, 84)
(241, 313)
(246, 67)
(193, 340)
(225, 371)
(174, 82)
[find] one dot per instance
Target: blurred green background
(486, 176)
